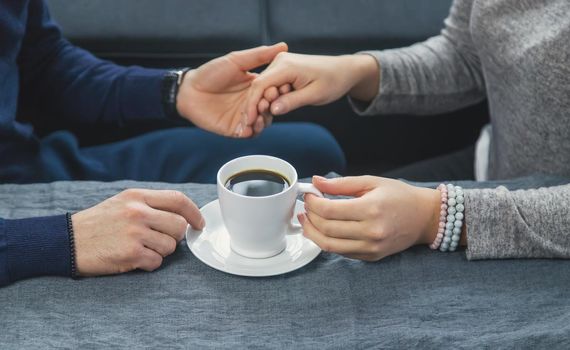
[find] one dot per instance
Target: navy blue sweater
(40, 68)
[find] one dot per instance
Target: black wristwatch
(170, 85)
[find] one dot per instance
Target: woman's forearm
(367, 77)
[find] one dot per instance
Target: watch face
(180, 75)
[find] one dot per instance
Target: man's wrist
(171, 83)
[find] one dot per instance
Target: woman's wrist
(430, 200)
(365, 74)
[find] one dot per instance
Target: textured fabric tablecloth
(415, 299)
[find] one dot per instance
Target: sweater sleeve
(531, 223)
(439, 75)
(34, 247)
(68, 82)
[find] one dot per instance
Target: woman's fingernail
(301, 218)
(319, 178)
(277, 108)
(202, 224)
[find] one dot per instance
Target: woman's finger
(263, 107)
(363, 257)
(329, 244)
(337, 228)
(270, 77)
(271, 94)
(336, 209)
(305, 96)
(285, 89)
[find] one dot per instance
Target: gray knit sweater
(515, 53)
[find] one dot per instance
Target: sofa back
(176, 33)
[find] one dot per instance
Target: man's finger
(175, 202)
(159, 242)
(149, 260)
(258, 126)
(336, 209)
(258, 56)
(168, 223)
(267, 119)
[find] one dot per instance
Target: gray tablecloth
(415, 299)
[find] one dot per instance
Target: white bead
(451, 218)
(451, 210)
(455, 238)
(458, 223)
(460, 199)
(451, 202)
(459, 216)
(448, 232)
(451, 194)
(449, 226)
(460, 208)
(457, 231)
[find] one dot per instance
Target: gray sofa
(175, 33)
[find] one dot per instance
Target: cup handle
(303, 188)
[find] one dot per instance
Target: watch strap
(170, 86)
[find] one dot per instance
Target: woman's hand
(385, 217)
(314, 80)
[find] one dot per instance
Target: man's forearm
(65, 81)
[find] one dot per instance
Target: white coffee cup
(258, 225)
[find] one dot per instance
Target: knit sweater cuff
(37, 247)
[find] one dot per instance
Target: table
(415, 299)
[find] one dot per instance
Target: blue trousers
(178, 155)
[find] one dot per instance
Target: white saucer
(212, 247)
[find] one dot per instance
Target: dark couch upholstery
(175, 33)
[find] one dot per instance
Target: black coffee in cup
(257, 183)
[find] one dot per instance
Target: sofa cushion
(159, 28)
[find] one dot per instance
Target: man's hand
(135, 229)
(213, 97)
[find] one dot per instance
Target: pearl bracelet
(442, 216)
(451, 218)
